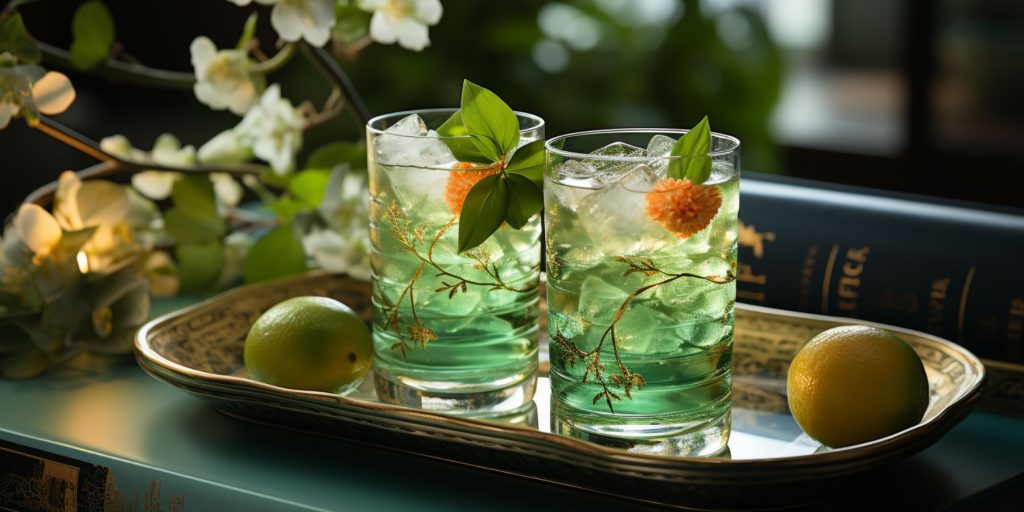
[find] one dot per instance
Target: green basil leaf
(335, 153)
(529, 161)
(92, 35)
(15, 39)
(199, 264)
(248, 31)
(525, 200)
(692, 149)
(491, 123)
(464, 149)
(483, 211)
(276, 254)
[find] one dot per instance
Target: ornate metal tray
(769, 462)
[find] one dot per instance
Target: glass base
(653, 435)
(452, 398)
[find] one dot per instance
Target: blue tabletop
(108, 411)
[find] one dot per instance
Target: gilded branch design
(411, 240)
(625, 379)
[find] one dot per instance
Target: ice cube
(660, 146)
(410, 150)
(619, 149)
(608, 171)
(640, 179)
(573, 170)
(408, 142)
(615, 216)
(409, 125)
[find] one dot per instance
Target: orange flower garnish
(459, 183)
(683, 207)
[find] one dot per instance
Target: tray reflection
(756, 433)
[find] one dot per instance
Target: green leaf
(271, 178)
(277, 254)
(483, 211)
(529, 161)
(194, 217)
(189, 226)
(489, 121)
(463, 147)
(199, 264)
(248, 31)
(15, 39)
(309, 186)
(351, 23)
(285, 208)
(335, 153)
(195, 192)
(692, 148)
(92, 35)
(525, 199)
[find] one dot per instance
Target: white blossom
(300, 19)
(223, 77)
(343, 244)
(37, 229)
(30, 90)
(224, 148)
(273, 129)
(229, 192)
(167, 150)
(404, 21)
(98, 204)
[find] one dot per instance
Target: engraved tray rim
(836, 463)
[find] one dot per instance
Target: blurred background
(917, 96)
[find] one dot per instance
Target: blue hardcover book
(948, 268)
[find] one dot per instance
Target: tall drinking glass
(453, 332)
(641, 287)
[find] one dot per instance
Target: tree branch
(330, 67)
(124, 71)
(114, 163)
(140, 74)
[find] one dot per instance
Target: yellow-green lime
(313, 343)
(853, 384)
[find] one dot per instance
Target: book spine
(952, 271)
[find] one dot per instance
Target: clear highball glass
(640, 287)
(452, 332)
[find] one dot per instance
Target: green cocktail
(454, 332)
(641, 288)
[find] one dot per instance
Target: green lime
(313, 343)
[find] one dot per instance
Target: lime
(313, 343)
(855, 383)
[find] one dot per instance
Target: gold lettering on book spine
(753, 239)
(849, 282)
